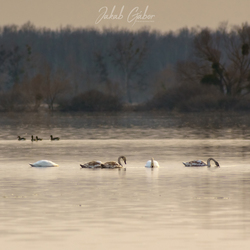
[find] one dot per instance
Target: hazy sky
(163, 15)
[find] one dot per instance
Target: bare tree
(222, 59)
(128, 57)
(32, 91)
(4, 56)
(101, 66)
(55, 84)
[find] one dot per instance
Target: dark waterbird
(54, 138)
(21, 138)
(33, 139)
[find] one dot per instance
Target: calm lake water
(172, 207)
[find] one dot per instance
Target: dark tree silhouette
(128, 57)
(226, 56)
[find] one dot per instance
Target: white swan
(152, 164)
(92, 164)
(44, 163)
(200, 163)
(113, 164)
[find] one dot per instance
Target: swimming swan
(21, 138)
(152, 164)
(200, 163)
(113, 164)
(44, 163)
(92, 164)
(54, 138)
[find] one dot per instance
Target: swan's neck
(119, 161)
(124, 160)
(152, 162)
(211, 159)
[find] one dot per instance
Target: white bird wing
(156, 164)
(44, 163)
(148, 164)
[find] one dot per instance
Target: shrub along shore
(172, 100)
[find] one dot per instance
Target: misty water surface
(170, 207)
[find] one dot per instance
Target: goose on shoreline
(44, 163)
(38, 139)
(113, 164)
(200, 163)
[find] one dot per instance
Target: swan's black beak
(217, 164)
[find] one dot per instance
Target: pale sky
(164, 15)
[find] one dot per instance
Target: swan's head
(212, 159)
(123, 158)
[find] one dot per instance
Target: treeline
(74, 69)
(34, 62)
(216, 76)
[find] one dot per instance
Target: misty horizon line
(29, 26)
